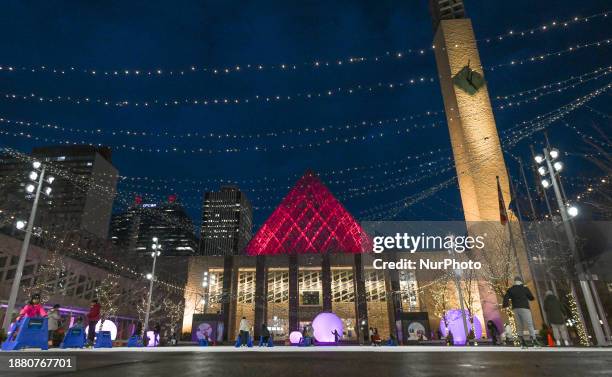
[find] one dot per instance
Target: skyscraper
(135, 228)
(227, 221)
(83, 191)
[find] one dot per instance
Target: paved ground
(332, 361)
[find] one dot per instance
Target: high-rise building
(82, 194)
(135, 228)
(227, 221)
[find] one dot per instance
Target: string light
(543, 56)
(575, 315)
(554, 88)
(158, 102)
(313, 64)
(381, 123)
(230, 150)
(521, 130)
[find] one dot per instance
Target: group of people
(375, 339)
(34, 308)
(518, 297)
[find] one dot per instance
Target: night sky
(174, 36)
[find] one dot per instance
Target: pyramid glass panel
(309, 220)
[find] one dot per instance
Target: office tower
(82, 194)
(227, 220)
(135, 228)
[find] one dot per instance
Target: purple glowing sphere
(455, 324)
(294, 337)
(324, 325)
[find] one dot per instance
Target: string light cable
(314, 64)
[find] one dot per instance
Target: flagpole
(531, 271)
(502, 206)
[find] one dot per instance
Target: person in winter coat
(92, 319)
(493, 330)
(556, 318)
(519, 296)
(54, 320)
(265, 334)
(33, 309)
(244, 328)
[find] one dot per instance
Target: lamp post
(458, 273)
(553, 167)
(156, 247)
(37, 180)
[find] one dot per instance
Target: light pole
(37, 180)
(568, 211)
(156, 247)
(458, 273)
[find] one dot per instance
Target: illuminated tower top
(446, 10)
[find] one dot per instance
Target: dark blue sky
(174, 36)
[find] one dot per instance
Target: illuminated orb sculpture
(294, 337)
(107, 326)
(455, 324)
(151, 337)
(324, 325)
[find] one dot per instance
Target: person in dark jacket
(265, 334)
(92, 319)
(556, 318)
(519, 296)
(493, 330)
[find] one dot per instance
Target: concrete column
(361, 306)
(294, 299)
(326, 282)
(394, 297)
(227, 294)
(261, 283)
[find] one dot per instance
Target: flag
(503, 215)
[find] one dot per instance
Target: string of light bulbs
(229, 150)
(537, 93)
(313, 64)
(541, 57)
(208, 101)
(524, 129)
(380, 123)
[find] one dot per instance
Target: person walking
(53, 321)
(492, 327)
(371, 335)
(92, 319)
(336, 335)
(265, 335)
(519, 296)
(245, 328)
(156, 334)
(556, 318)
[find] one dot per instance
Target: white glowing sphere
(107, 326)
(294, 337)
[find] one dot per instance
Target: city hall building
(310, 256)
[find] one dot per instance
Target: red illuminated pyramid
(309, 220)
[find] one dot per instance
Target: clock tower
(475, 142)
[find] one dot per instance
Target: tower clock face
(468, 80)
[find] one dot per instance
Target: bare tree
(48, 279)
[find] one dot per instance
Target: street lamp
(37, 177)
(156, 247)
(567, 212)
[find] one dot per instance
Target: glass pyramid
(309, 220)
